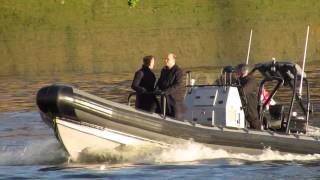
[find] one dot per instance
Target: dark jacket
(144, 82)
(249, 88)
(171, 83)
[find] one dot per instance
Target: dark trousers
(174, 108)
(252, 114)
(146, 103)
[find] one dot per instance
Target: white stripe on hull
(76, 138)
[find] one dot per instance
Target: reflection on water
(29, 150)
(25, 139)
(18, 93)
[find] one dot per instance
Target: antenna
(249, 47)
(304, 61)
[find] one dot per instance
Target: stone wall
(92, 36)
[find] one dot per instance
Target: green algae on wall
(132, 3)
(93, 36)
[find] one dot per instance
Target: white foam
(193, 152)
(190, 152)
(37, 152)
(313, 131)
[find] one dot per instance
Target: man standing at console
(249, 91)
(170, 83)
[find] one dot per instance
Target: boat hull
(78, 138)
(79, 107)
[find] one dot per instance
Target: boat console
(218, 104)
(223, 105)
(215, 106)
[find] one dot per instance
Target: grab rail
(162, 96)
(129, 97)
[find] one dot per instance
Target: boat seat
(276, 117)
(276, 111)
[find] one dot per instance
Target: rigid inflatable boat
(215, 117)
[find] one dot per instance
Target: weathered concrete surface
(91, 36)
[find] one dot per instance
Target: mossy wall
(93, 36)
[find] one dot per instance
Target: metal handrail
(162, 96)
(129, 97)
(292, 101)
(262, 107)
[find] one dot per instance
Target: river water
(29, 150)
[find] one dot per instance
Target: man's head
(170, 60)
(148, 61)
(243, 70)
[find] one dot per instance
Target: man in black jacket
(143, 83)
(171, 84)
(249, 90)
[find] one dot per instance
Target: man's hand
(159, 92)
(143, 90)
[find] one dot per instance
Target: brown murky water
(18, 93)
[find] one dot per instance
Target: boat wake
(194, 152)
(26, 140)
(42, 152)
(313, 131)
(187, 152)
(50, 152)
